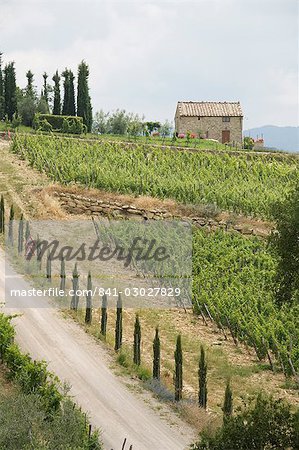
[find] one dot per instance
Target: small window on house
(198, 117)
(225, 119)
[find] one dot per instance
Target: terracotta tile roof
(210, 109)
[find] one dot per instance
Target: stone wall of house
(211, 127)
(78, 204)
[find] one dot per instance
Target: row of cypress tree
(156, 370)
(11, 95)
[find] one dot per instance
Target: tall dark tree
(104, 315)
(69, 108)
(88, 312)
(75, 283)
(178, 370)
(10, 225)
(202, 379)
(118, 324)
(137, 342)
(49, 268)
(45, 88)
(286, 244)
(10, 91)
(57, 96)
(2, 215)
(1, 90)
(27, 232)
(29, 88)
(84, 108)
(62, 275)
(228, 402)
(21, 235)
(157, 356)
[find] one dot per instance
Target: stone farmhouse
(222, 121)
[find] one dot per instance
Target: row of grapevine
(245, 184)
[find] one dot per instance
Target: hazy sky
(145, 56)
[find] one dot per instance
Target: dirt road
(77, 358)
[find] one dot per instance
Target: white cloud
(144, 56)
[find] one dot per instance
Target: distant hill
(282, 138)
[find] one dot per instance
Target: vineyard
(233, 277)
(247, 184)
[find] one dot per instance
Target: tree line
(20, 105)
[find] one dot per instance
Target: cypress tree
(178, 373)
(45, 88)
(84, 108)
(137, 342)
(49, 268)
(62, 275)
(66, 92)
(71, 104)
(27, 232)
(21, 235)
(2, 215)
(75, 282)
(1, 90)
(118, 325)
(228, 402)
(156, 358)
(57, 96)
(202, 379)
(69, 108)
(88, 313)
(10, 91)
(10, 226)
(38, 253)
(29, 87)
(104, 315)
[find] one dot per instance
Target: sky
(145, 56)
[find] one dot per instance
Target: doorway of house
(225, 136)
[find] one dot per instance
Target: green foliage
(202, 380)
(265, 424)
(157, 356)
(247, 183)
(42, 106)
(29, 91)
(27, 110)
(57, 96)
(69, 107)
(40, 416)
(2, 215)
(65, 124)
(1, 90)
(25, 424)
(49, 267)
(62, 275)
(137, 342)
(178, 370)
(16, 121)
(10, 91)
(75, 287)
(88, 312)
(228, 402)
(44, 125)
(118, 324)
(10, 224)
(21, 235)
(83, 97)
(235, 277)
(248, 143)
(104, 315)
(285, 242)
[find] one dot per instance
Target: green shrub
(66, 124)
(265, 424)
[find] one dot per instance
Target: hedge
(65, 124)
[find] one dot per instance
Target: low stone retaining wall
(78, 204)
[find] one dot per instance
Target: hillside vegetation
(246, 184)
